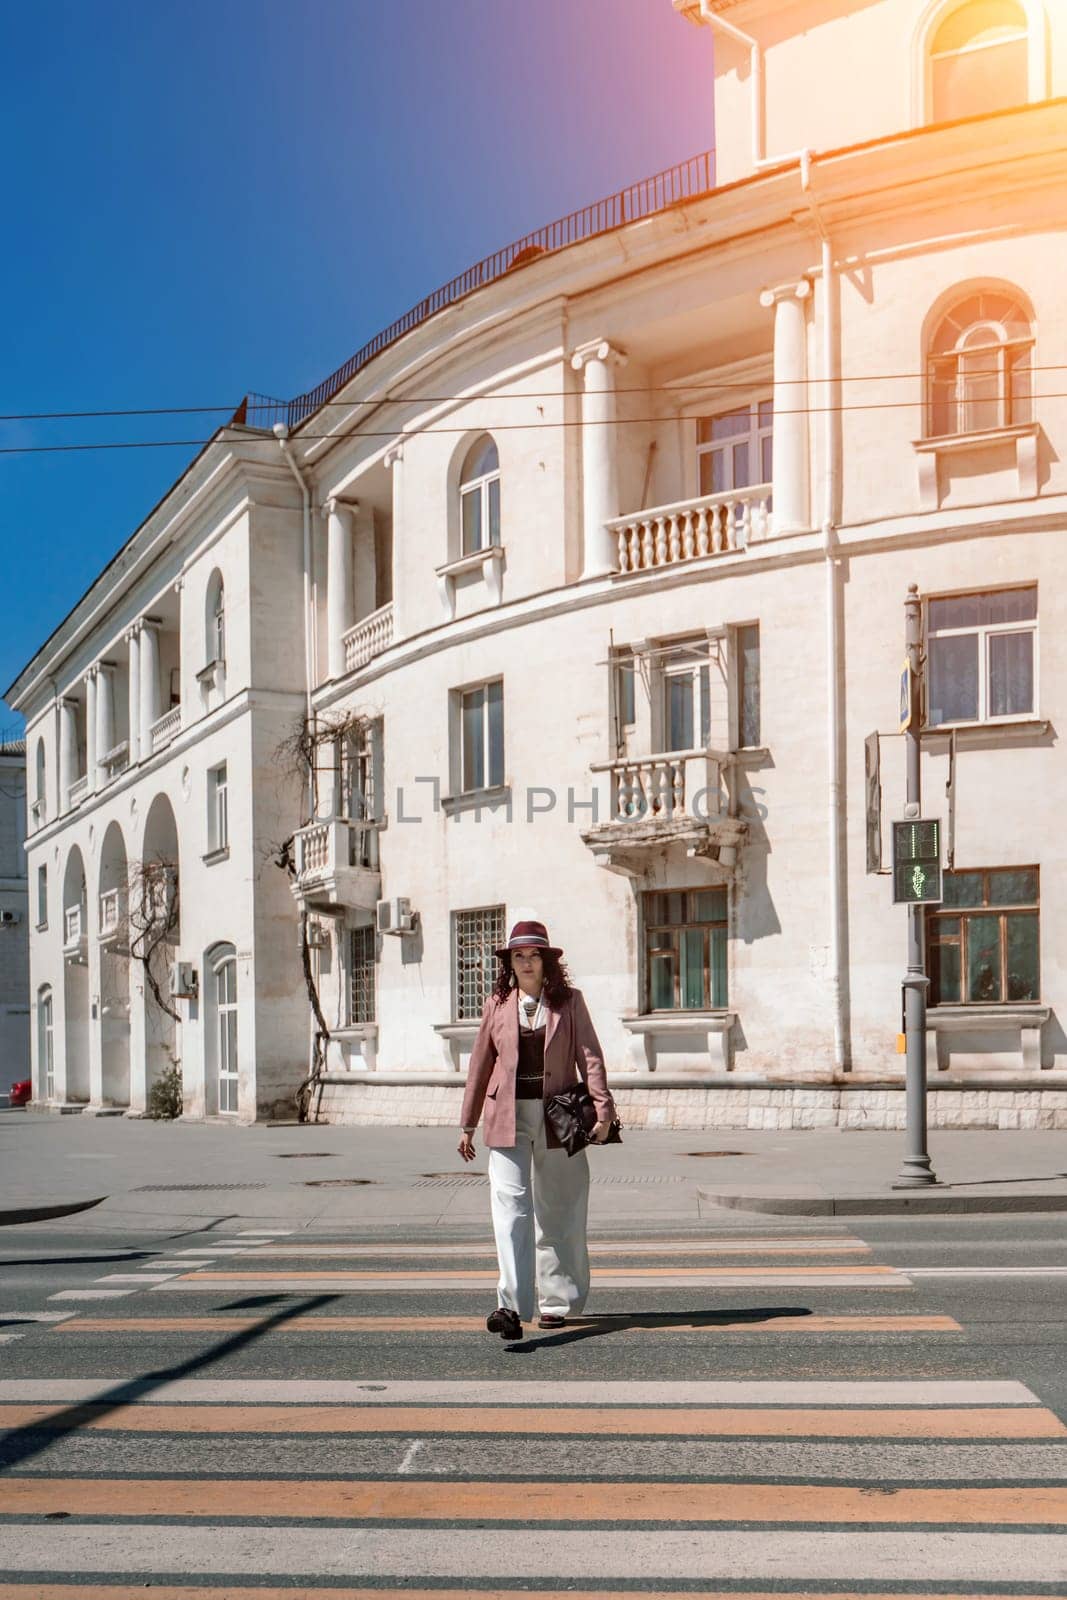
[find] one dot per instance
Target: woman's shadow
(629, 1321)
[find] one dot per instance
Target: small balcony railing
(715, 524)
(369, 638)
(167, 729)
(116, 761)
(337, 862)
(78, 791)
(667, 787)
(39, 813)
(112, 913)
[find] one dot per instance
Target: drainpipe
(831, 478)
(281, 433)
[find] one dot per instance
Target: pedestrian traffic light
(917, 862)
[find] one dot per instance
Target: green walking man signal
(917, 862)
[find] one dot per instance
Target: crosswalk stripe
(1009, 1422)
(538, 1501)
(935, 1556)
(109, 1591)
(93, 1294)
(653, 1275)
(9, 1338)
(814, 1277)
(771, 1321)
(754, 1247)
(36, 1316)
(465, 1392)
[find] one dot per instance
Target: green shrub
(165, 1095)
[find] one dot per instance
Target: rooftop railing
(685, 181)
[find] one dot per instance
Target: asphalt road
(778, 1407)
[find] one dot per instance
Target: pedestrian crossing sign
(917, 861)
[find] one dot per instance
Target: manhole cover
(335, 1183)
(305, 1155)
(191, 1188)
(714, 1152)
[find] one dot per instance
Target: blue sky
(209, 198)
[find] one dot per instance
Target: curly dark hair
(557, 980)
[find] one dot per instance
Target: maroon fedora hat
(529, 936)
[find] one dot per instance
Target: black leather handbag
(572, 1116)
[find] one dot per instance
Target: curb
(45, 1213)
(878, 1205)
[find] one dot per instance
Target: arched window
(224, 975)
(979, 365)
(46, 1059)
(215, 620)
(979, 60)
(479, 496)
(39, 805)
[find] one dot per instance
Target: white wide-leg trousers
(540, 1205)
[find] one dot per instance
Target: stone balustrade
(112, 912)
(369, 638)
(715, 524)
(166, 729)
(116, 761)
(665, 787)
(78, 791)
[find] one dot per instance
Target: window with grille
(361, 975)
(734, 448)
(981, 656)
(979, 365)
(982, 940)
(685, 949)
(476, 935)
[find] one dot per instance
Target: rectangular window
(361, 975)
(42, 897)
(747, 681)
(481, 732)
(734, 448)
(218, 823)
(476, 935)
(982, 941)
(981, 656)
(685, 949)
(685, 688)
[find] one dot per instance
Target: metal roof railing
(687, 180)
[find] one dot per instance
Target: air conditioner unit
(318, 937)
(396, 916)
(9, 918)
(184, 981)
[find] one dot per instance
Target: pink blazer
(571, 1045)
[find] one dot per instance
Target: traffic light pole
(916, 1171)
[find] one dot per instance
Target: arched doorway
(155, 931)
(220, 1030)
(114, 936)
(74, 1078)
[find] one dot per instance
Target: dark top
(530, 1078)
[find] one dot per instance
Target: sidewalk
(165, 1176)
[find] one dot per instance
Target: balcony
(112, 916)
(75, 941)
(38, 814)
(78, 791)
(368, 638)
(167, 729)
(337, 865)
(714, 525)
(116, 761)
(674, 798)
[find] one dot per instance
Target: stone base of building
(369, 1101)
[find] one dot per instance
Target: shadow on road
(29, 1440)
(623, 1322)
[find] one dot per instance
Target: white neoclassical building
(586, 582)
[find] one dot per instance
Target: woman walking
(535, 1031)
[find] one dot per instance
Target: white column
(150, 711)
(90, 729)
(68, 751)
(791, 447)
(134, 682)
(105, 715)
(338, 583)
(600, 469)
